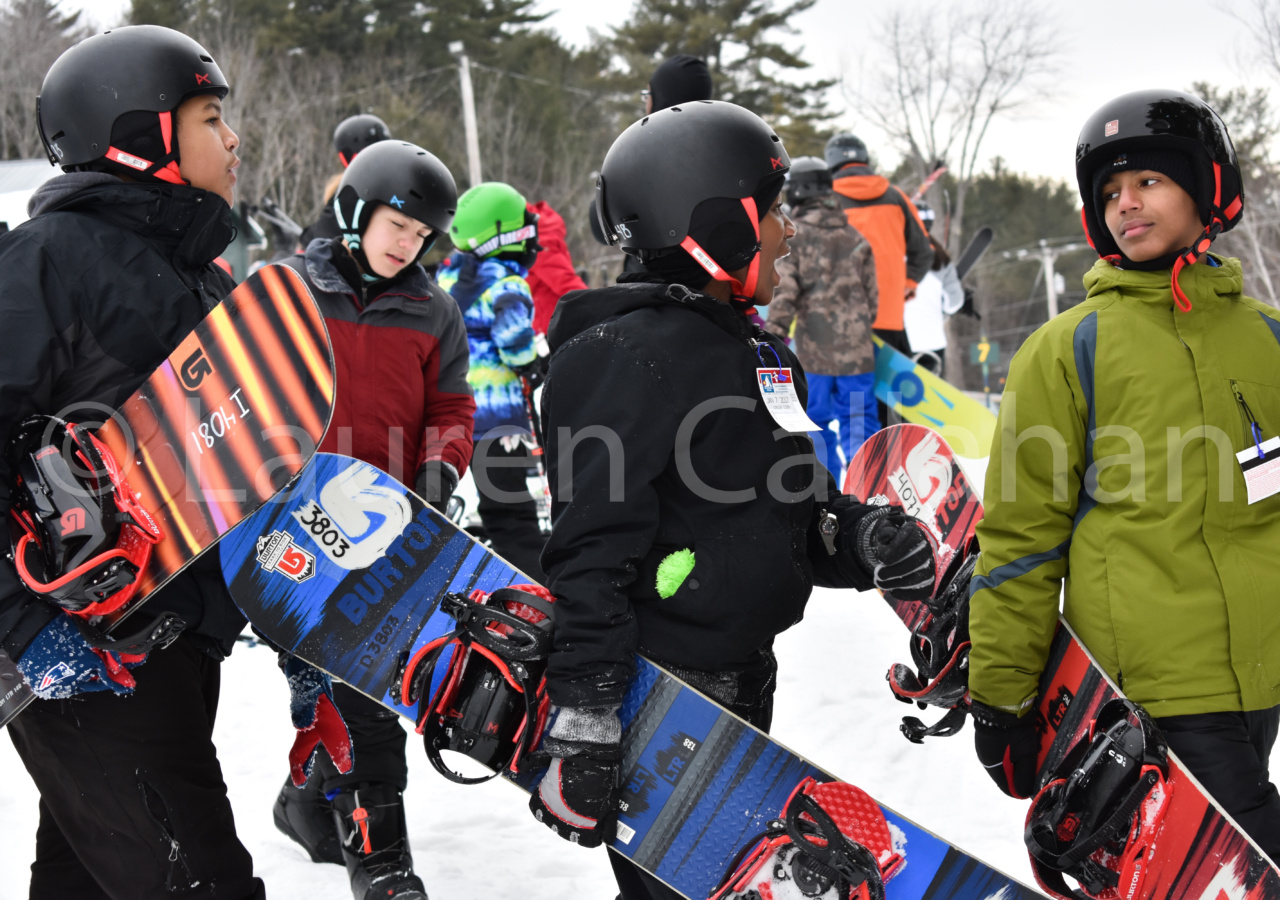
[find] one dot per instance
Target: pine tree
(740, 40)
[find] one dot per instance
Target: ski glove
(436, 482)
(316, 718)
(59, 663)
(894, 548)
(1008, 746)
(578, 796)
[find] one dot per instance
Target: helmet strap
(1189, 257)
(163, 169)
(740, 290)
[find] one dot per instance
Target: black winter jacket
(96, 290)
(657, 440)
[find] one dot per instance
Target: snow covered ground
(833, 706)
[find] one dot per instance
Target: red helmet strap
(742, 290)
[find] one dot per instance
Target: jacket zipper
(1251, 428)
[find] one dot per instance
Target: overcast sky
(1108, 47)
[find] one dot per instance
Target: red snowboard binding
(832, 843)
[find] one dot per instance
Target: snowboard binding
(80, 535)
(940, 652)
(491, 702)
(1099, 816)
(832, 843)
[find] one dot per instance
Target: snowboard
(922, 398)
(231, 416)
(348, 569)
(1200, 852)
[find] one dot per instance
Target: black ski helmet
(809, 177)
(845, 150)
(662, 167)
(121, 87)
(1162, 120)
(79, 534)
(355, 133)
(400, 175)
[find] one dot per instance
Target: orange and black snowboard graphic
(226, 421)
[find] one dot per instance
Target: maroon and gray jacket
(400, 349)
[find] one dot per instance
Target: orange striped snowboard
(229, 419)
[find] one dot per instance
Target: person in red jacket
(402, 404)
(552, 274)
(887, 219)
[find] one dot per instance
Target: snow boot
(375, 845)
(305, 816)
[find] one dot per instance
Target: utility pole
(1048, 258)
(468, 112)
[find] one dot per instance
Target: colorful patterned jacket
(497, 308)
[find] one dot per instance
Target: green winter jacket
(1113, 467)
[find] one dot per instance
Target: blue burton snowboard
(348, 569)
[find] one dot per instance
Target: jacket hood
(1202, 283)
(861, 187)
(194, 225)
(581, 310)
(323, 270)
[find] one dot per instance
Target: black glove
(436, 482)
(967, 308)
(578, 796)
(1007, 747)
(895, 550)
(534, 372)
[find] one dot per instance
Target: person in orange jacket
(887, 219)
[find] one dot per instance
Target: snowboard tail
(226, 421)
(699, 782)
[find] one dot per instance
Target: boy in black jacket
(113, 270)
(688, 525)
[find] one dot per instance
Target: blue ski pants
(849, 400)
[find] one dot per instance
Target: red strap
(741, 290)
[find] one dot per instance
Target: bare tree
(33, 33)
(949, 75)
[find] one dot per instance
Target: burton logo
(278, 553)
(194, 369)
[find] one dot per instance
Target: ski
(1190, 847)
(978, 246)
(231, 416)
(355, 574)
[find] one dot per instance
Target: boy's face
(1149, 214)
(208, 147)
(392, 240)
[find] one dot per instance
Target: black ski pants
(748, 694)
(132, 801)
(377, 742)
(1229, 753)
(507, 509)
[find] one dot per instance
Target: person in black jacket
(112, 271)
(689, 524)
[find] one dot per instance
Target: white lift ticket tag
(779, 393)
(1261, 472)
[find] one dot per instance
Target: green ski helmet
(494, 218)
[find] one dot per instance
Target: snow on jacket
(552, 274)
(96, 289)
(657, 441)
(498, 310)
(887, 219)
(1113, 466)
(401, 362)
(828, 290)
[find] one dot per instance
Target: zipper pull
(1255, 431)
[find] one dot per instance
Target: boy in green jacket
(1114, 468)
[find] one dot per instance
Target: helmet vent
(206, 58)
(417, 196)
